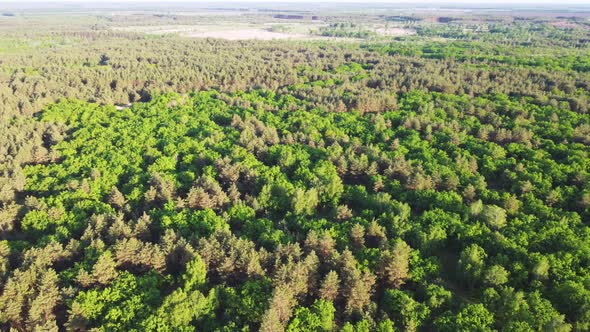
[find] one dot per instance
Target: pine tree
(105, 269)
(330, 286)
(394, 265)
(116, 198)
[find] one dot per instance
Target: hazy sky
(562, 4)
(489, 2)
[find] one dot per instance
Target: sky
(473, 2)
(569, 5)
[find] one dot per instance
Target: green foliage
(245, 305)
(320, 317)
(496, 275)
(472, 262)
(472, 317)
(419, 184)
(196, 272)
(494, 216)
(191, 173)
(121, 306)
(180, 311)
(407, 312)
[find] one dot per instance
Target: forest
(437, 180)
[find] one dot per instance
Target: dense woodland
(432, 182)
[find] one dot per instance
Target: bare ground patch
(395, 32)
(243, 34)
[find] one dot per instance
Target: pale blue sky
(562, 4)
(516, 2)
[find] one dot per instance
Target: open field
(261, 31)
(245, 34)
